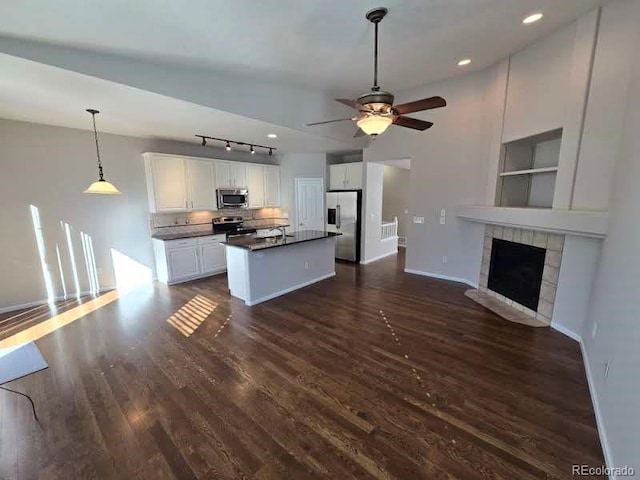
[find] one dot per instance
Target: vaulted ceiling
(314, 48)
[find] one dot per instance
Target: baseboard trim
(602, 433)
(379, 257)
(564, 330)
(441, 277)
(39, 303)
(289, 290)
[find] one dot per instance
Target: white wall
(299, 165)
(395, 197)
(577, 272)
(448, 168)
(615, 307)
(538, 82)
(373, 247)
(618, 38)
(49, 167)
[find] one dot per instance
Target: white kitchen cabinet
(201, 185)
(183, 263)
(346, 176)
(271, 186)
(230, 174)
(190, 258)
(213, 259)
(256, 186)
(179, 184)
(353, 176)
(166, 183)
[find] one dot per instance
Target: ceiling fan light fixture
(374, 124)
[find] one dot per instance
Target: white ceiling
(326, 44)
(34, 92)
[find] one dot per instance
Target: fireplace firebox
(516, 271)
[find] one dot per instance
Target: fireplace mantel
(567, 222)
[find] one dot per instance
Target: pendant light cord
(95, 134)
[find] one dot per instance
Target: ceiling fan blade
(420, 105)
(349, 103)
(413, 123)
(329, 121)
(359, 133)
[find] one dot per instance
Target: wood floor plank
(374, 374)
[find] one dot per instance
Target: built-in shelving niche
(528, 171)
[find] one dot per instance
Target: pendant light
(101, 187)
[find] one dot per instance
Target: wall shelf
(530, 171)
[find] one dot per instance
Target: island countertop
(255, 243)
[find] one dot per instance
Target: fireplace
(515, 271)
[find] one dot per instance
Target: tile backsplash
(196, 221)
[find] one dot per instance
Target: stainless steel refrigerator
(343, 216)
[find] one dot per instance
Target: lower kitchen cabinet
(187, 259)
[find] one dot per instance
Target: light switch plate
(418, 219)
(443, 220)
(406, 211)
(443, 213)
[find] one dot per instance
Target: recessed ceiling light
(463, 62)
(534, 17)
(272, 135)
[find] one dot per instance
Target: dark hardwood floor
(373, 374)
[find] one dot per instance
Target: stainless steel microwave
(233, 198)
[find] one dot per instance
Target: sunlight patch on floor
(54, 323)
(192, 314)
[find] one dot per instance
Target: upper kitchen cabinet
(255, 185)
(179, 184)
(263, 183)
(345, 176)
(230, 174)
(201, 185)
(271, 186)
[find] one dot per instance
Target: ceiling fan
(375, 108)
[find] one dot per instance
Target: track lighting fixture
(227, 143)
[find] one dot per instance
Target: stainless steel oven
(233, 198)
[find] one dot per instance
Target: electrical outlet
(444, 259)
(594, 330)
(306, 265)
(406, 211)
(443, 213)
(99, 270)
(607, 368)
(418, 219)
(443, 220)
(285, 215)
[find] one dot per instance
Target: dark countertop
(205, 233)
(253, 243)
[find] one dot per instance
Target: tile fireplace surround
(552, 243)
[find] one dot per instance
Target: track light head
(271, 152)
(253, 150)
(228, 147)
(204, 142)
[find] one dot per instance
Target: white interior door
(309, 204)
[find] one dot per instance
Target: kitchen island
(259, 269)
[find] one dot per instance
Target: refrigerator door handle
(338, 216)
